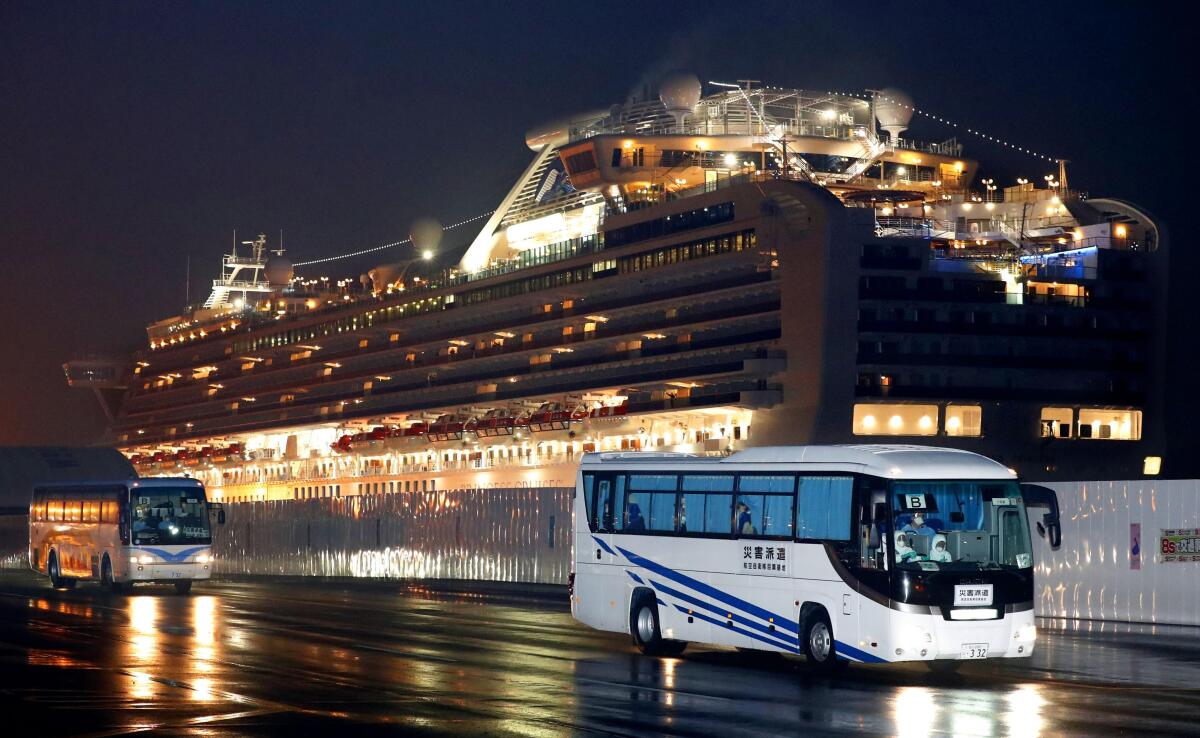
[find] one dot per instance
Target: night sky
(135, 135)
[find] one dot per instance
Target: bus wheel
(646, 634)
(816, 640)
(183, 587)
(106, 577)
(57, 580)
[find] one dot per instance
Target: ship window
(1056, 422)
(964, 420)
(1115, 425)
(584, 161)
(880, 419)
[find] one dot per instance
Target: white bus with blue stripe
(841, 553)
(122, 532)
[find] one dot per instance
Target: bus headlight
(203, 559)
(1026, 633)
(144, 559)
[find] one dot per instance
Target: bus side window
(603, 511)
(589, 499)
(616, 517)
(873, 544)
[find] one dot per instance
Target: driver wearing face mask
(918, 526)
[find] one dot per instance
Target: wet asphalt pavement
(334, 658)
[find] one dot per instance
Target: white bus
(840, 553)
(122, 532)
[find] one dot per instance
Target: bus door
(869, 562)
(609, 489)
(600, 585)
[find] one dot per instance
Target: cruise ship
(704, 269)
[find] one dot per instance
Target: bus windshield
(168, 516)
(959, 525)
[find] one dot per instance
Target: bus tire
(106, 575)
(107, 580)
(57, 580)
(643, 625)
(816, 640)
(183, 587)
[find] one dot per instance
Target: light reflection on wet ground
(325, 658)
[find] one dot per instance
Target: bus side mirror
(221, 516)
(1036, 495)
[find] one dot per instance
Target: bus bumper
(168, 572)
(929, 637)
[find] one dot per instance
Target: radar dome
(893, 110)
(426, 234)
(679, 92)
(279, 271)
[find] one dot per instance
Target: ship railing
(540, 255)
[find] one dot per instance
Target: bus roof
(891, 461)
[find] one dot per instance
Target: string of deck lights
(952, 124)
(373, 249)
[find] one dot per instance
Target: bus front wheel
(106, 577)
(646, 633)
(816, 634)
(183, 587)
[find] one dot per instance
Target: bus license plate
(973, 651)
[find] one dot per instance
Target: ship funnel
(679, 93)
(893, 110)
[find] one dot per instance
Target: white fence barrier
(1110, 566)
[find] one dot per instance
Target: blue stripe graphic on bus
(724, 624)
(604, 546)
(174, 558)
(634, 577)
(788, 641)
(845, 649)
(713, 592)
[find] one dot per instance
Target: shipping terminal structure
(684, 272)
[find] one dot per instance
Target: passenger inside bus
(636, 521)
(904, 552)
(744, 526)
(682, 514)
(939, 552)
(140, 522)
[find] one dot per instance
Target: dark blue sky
(133, 135)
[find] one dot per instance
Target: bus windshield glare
(959, 525)
(168, 516)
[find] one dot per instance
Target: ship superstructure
(689, 273)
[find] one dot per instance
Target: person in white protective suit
(938, 552)
(904, 552)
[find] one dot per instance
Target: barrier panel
(501, 535)
(1111, 565)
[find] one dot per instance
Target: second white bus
(841, 553)
(122, 532)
